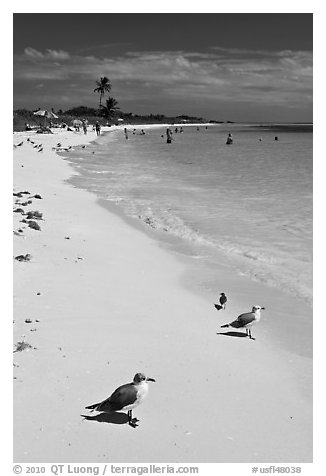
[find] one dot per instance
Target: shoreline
(203, 280)
(108, 288)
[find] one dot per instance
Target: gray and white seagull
(247, 320)
(127, 397)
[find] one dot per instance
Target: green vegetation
(107, 114)
(110, 110)
(103, 86)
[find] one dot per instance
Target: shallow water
(252, 200)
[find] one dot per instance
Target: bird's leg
(132, 421)
(253, 338)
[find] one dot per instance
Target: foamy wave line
(255, 264)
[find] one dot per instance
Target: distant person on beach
(126, 133)
(229, 139)
(275, 138)
(98, 128)
(169, 138)
(85, 127)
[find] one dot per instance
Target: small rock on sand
(26, 257)
(35, 226)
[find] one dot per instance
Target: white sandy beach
(106, 301)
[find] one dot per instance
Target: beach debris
(67, 237)
(247, 320)
(35, 226)
(21, 143)
(37, 196)
(26, 257)
(40, 150)
(127, 397)
(19, 210)
(28, 321)
(17, 194)
(34, 214)
(149, 221)
(20, 346)
(33, 330)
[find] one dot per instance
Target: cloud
(49, 55)
(234, 75)
(32, 53)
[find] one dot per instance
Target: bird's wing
(246, 318)
(120, 398)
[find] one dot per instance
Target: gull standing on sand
(223, 300)
(127, 397)
(246, 320)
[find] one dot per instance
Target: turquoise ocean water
(251, 201)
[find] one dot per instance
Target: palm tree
(110, 108)
(103, 86)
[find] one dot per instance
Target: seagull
(127, 397)
(246, 320)
(223, 300)
(40, 150)
(21, 143)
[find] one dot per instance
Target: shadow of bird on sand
(232, 334)
(116, 418)
(218, 307)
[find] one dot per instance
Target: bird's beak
(150, 379)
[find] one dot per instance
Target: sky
(244, 67)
